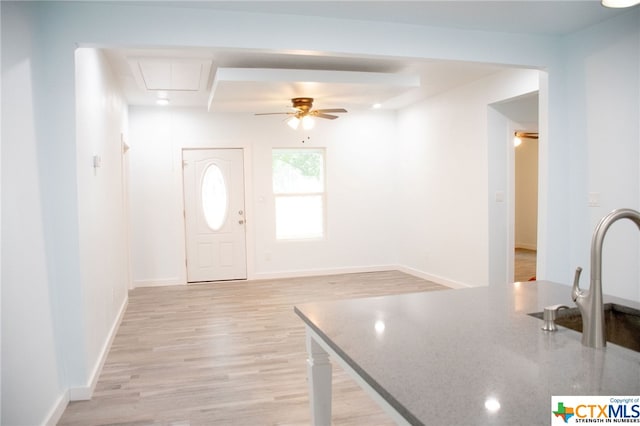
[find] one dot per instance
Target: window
(215, 202)
(298, 187)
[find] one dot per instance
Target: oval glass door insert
(215, 200)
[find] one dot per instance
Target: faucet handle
(576, 291)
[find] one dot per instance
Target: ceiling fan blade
(321, 115)
(274, 113)
(332, 110)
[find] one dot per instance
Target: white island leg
(319, 375)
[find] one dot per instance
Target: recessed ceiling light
(376, 106)
(162, 101)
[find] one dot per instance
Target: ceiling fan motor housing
(303, 107)
(303, 104)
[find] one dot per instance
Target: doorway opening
(508, 252)
(526, 205)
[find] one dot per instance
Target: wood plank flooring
(525, 264)
(230, 353)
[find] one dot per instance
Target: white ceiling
(334, 81)
(265, 82)
(513, 16)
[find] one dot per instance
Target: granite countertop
(437, 357)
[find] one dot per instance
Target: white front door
(214, 214)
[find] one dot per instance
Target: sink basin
(622, 324)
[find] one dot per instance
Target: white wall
(604, 136)
(412, 193)
(33, 383)
(526, 194)
(359, 167)
(100, 119)
(444, 177)
(41, 359)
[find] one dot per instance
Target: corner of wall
(430, 277)
(84, 393)
(55, 414)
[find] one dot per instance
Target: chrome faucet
(590, 301)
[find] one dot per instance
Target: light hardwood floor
(525, 264)
(227, 354)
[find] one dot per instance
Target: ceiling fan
(304, 113)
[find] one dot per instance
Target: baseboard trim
(353, 270)
(84, 393)
(430, 277)
(158, 283)
(55, 414)
(320, 272)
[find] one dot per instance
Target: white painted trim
(158, 283)
(320, 272)
(84, 393)
(436, 279)
(55, 414)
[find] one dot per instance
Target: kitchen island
(464, 357)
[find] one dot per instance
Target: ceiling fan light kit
(293, 122)
(305, 114)
(307, 122)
